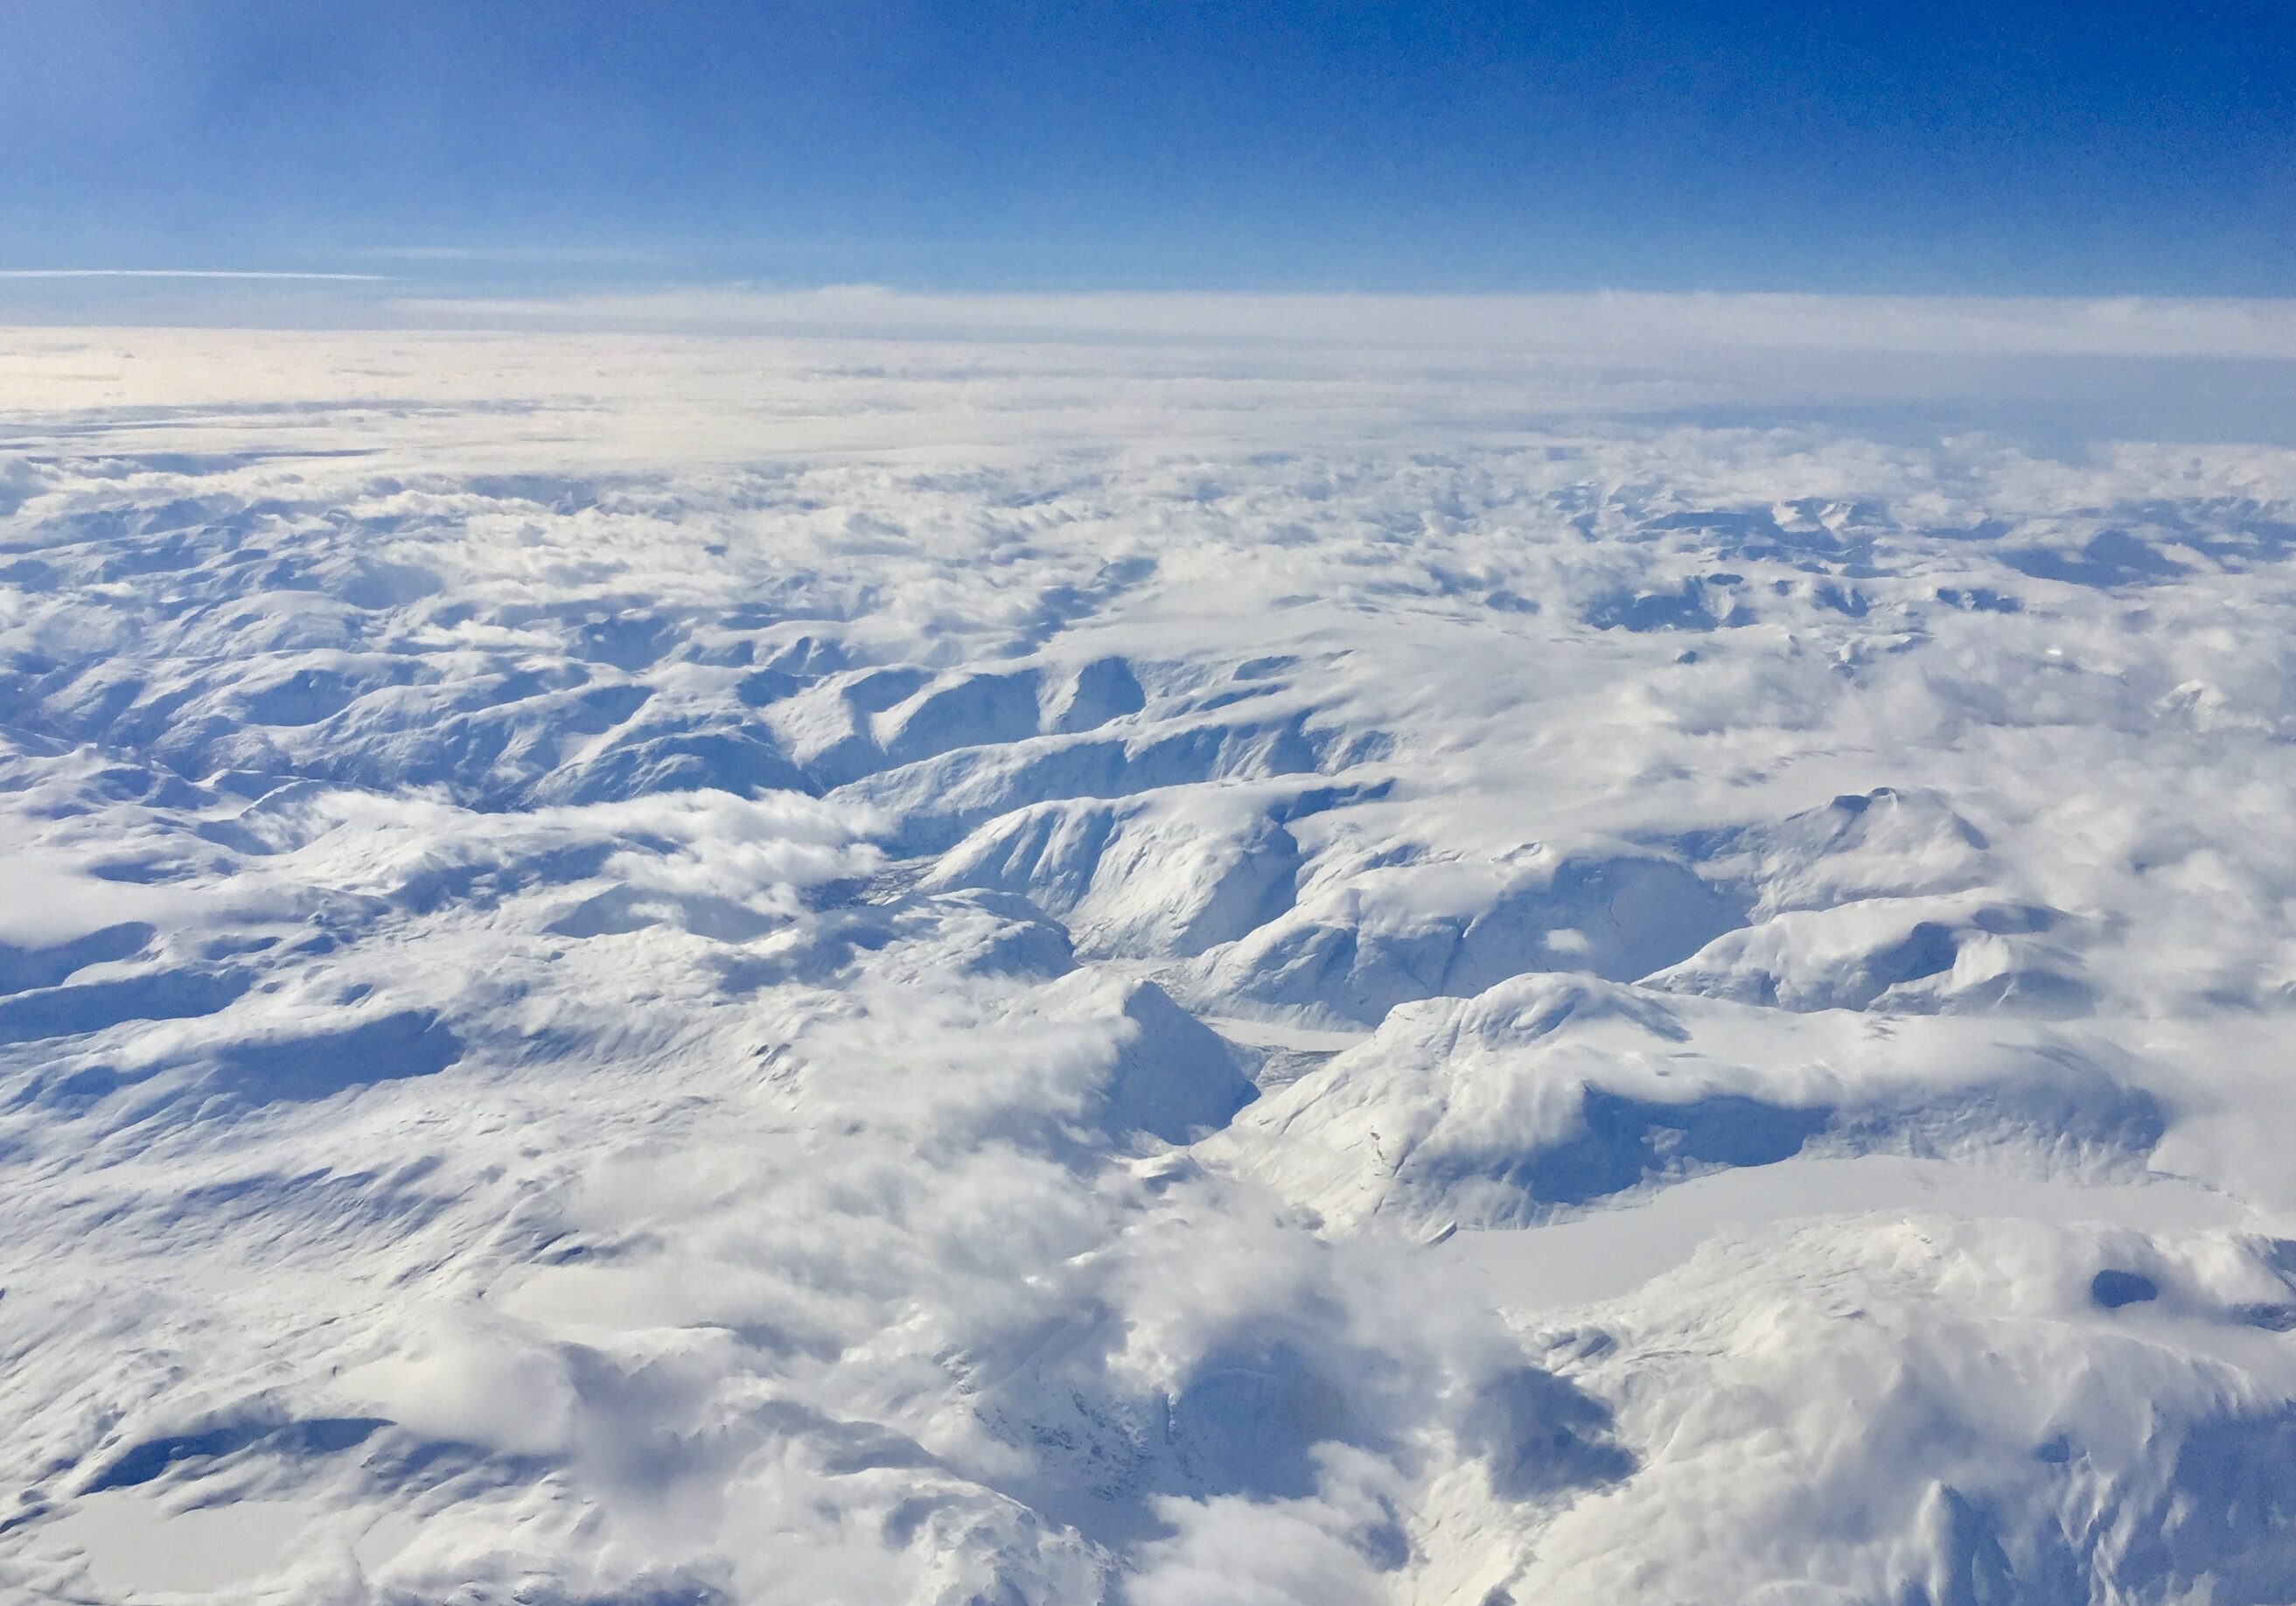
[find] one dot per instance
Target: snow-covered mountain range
(724, 971)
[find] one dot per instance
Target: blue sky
(505, 143)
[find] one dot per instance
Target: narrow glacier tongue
(811, 972)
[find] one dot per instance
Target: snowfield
(1015, 970)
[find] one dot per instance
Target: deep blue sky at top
(1998, 147)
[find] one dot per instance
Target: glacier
(1020, 968)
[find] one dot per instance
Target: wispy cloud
(484, 254)
(185, 273)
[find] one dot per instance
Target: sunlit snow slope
(805, 972)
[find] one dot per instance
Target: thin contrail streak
(179, 272)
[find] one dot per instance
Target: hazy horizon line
(1560, 322)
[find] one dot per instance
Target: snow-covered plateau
(1020, 970)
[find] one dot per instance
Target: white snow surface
(1013, 972)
